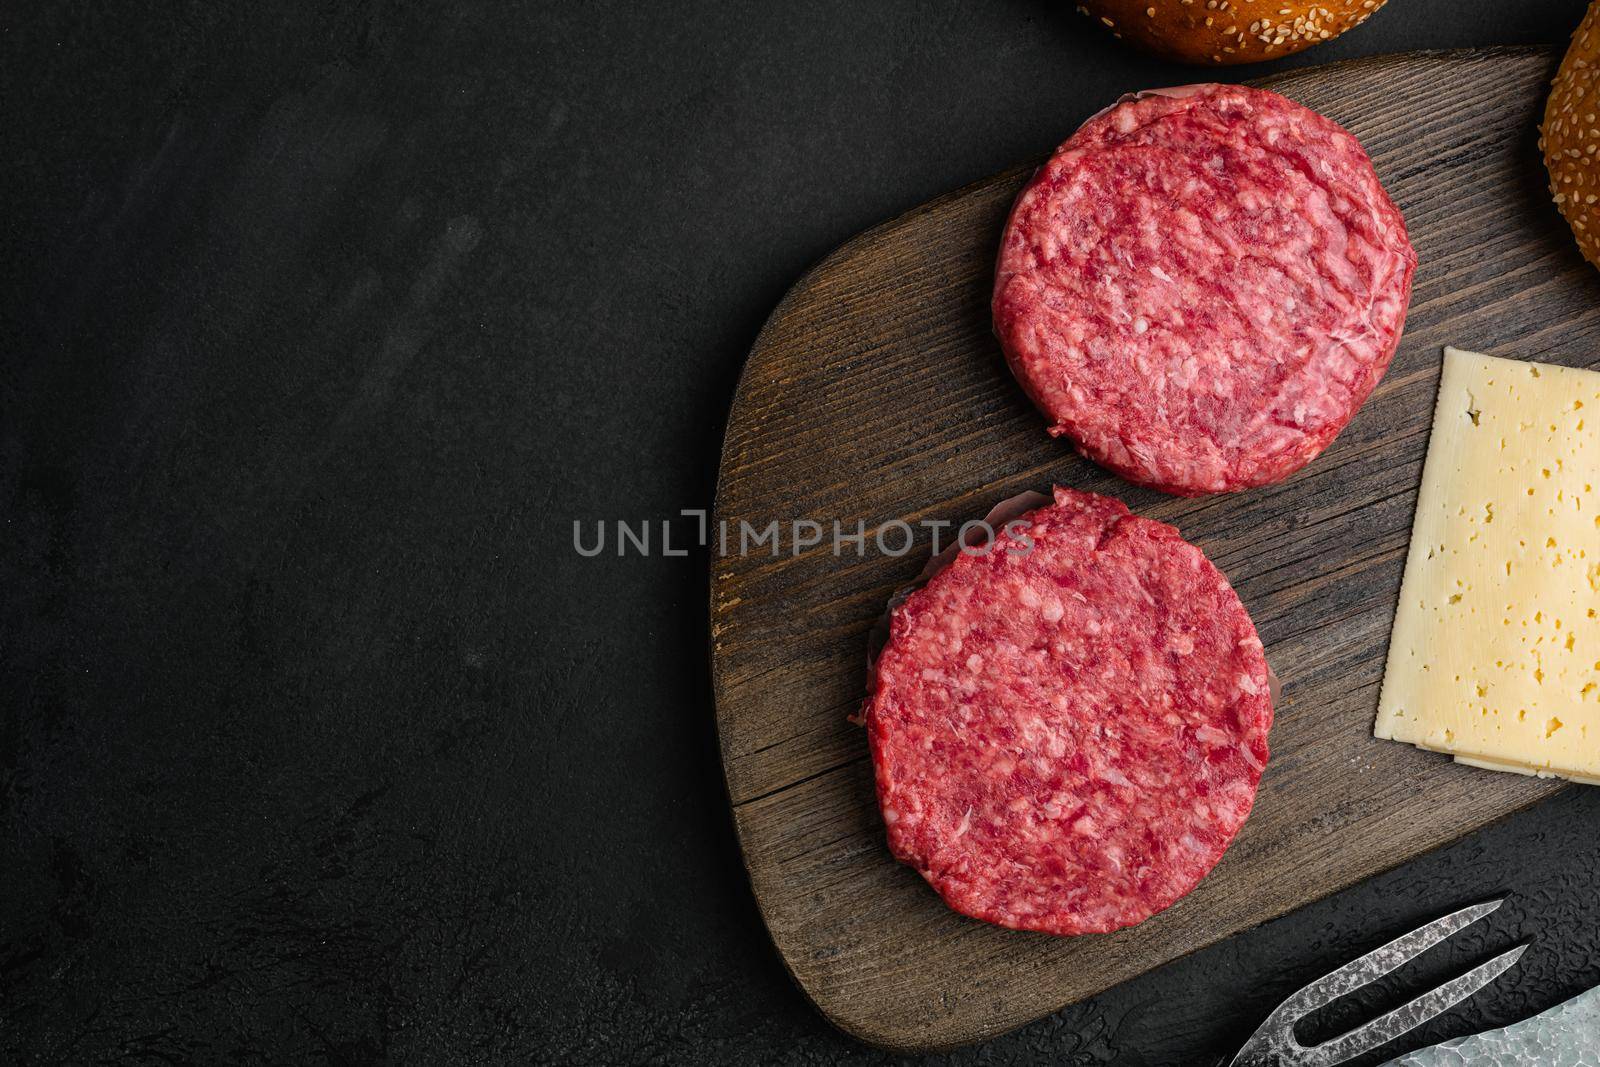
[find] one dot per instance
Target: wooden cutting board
(876, 392)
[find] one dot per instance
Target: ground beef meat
(1202, 286)
(1068, 729)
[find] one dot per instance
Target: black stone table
(321, 325)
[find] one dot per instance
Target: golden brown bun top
(1223, 32)
(1570, 136)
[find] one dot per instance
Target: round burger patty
(1068, 729)
(1202, 286)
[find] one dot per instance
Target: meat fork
(1274, 1045)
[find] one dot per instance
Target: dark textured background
(320, 326)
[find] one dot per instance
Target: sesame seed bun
(1224, 32)
(1570, 135)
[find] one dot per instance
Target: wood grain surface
(876, 392)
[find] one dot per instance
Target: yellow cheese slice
(1495, 653)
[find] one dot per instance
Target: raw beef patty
(1068, 729)
(1202, 286)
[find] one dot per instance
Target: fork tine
(1414, 1013)
(1380, 961)
(1274, 1041)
